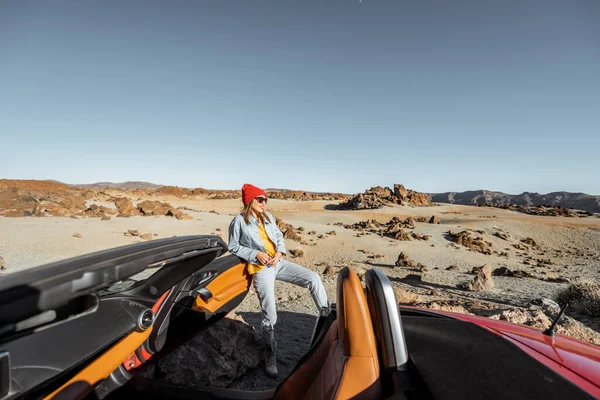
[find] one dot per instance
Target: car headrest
(355, 329)
(387, 323)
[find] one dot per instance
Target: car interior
(85, 327)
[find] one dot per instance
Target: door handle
(204, 294)
(207, 277)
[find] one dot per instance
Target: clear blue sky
(316, 95)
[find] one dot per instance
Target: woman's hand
(264, 258)
(276, 258)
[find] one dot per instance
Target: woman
(255, 237)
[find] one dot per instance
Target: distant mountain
(578, 201)
(119, 185)
(305, 191)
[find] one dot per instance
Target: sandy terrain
(30, 241)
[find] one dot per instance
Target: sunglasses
(261, 200)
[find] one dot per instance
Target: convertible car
(85, 327)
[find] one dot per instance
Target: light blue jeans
(264, 284)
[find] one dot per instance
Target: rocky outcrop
(434, 220)
(465, 239)
(482, 281)
(16, 203)
(99, 211)
(288, 230)
(447, 306)
(533, 318)
(30, 200)
(378, 197)
(504, 271)
(298, 252)
(404, 262)
(153, 207)
(124, 205)
(149, 207)
(329, 270)
(583, 297)
(301, 195)
(174, 191)
(502, 235)
(404, 297)
(529, 241)
(407, 196)
(178, 214)
(394, 228)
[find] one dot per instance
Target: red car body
(577, 361)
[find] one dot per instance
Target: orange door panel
(225, 287)
(107, 362)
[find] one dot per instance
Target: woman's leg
(264, 284)
(294, 273)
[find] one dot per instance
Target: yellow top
(269, 247)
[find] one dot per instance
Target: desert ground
(565, 250)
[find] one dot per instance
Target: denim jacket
(245, 242)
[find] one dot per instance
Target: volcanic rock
(394, 228)
(447, 306)
(298, 252)
(150, 207)
(502, 235)
(530, 242)
(583, 297)
(178, 214)
(378, 197)
(404, 262)
(404, 195)
(231, 346)
(132, 232)
(504, 271)
(124, 205)
(482, 281)
(288, 230)
(533, 318)
(465, 239)
(329, 270)
(404, 297)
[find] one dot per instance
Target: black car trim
(27, 293)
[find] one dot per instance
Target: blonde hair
(247, 211)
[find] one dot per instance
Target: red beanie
(249, 192)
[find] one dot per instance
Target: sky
(313, 95)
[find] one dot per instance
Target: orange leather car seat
(344, 364)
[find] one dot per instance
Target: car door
(66, 326)
(190, 305)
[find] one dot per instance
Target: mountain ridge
(117, 185)
(576, 200)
